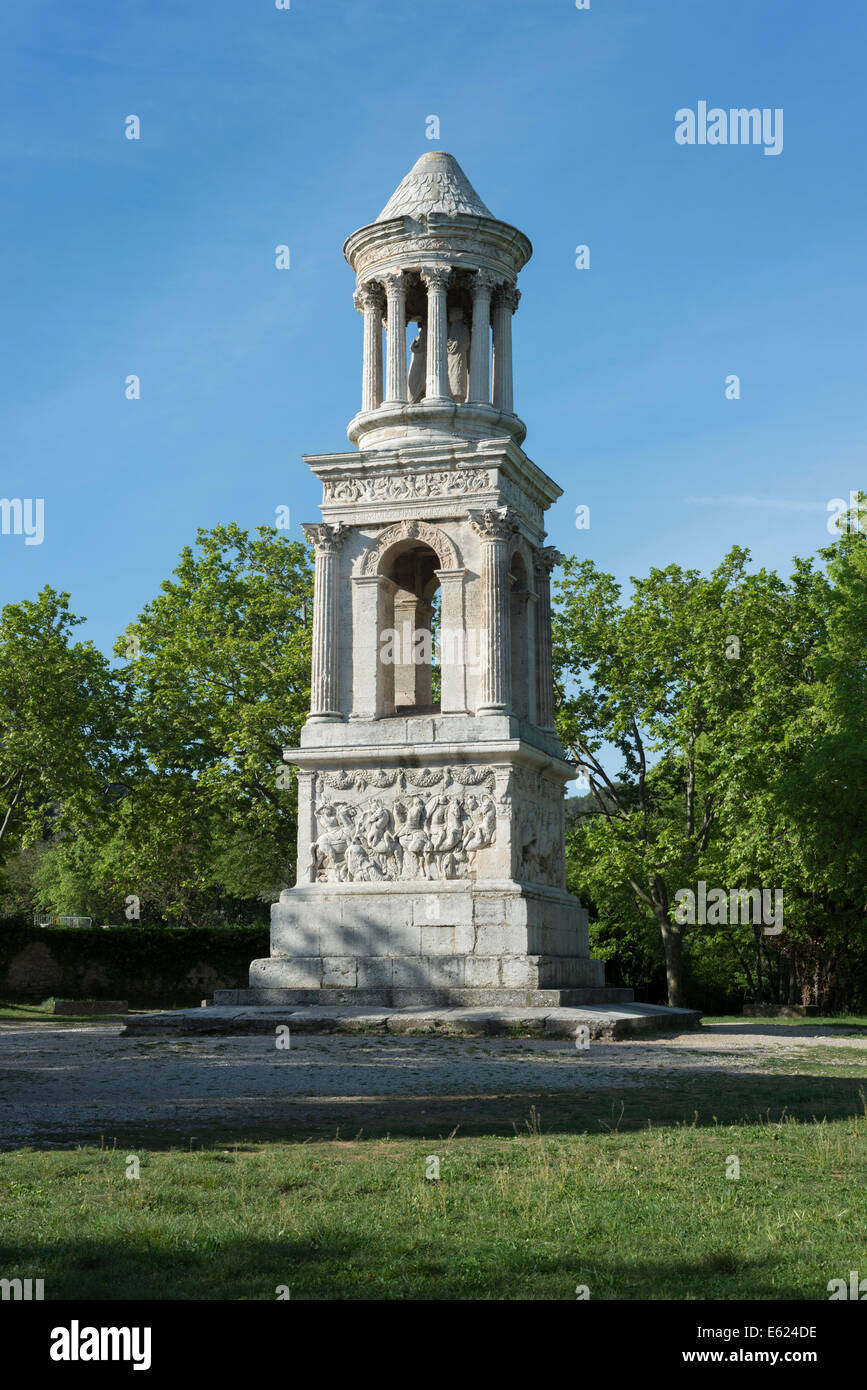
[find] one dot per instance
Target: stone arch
(441, 544)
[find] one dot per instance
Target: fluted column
(505, 304)
(437, 279)
(325, 662)
(480, 343)
(454, 654)
(368, 301)
(395, 379)
(545, 560)
(496, 529)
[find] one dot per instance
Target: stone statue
(458, 350)
(418, 365)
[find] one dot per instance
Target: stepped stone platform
(428, 996)
(609, 1021)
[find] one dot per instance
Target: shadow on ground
(706, 1099)
(344, 1266)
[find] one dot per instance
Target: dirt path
(61, 1086)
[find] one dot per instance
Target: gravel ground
(62, 1086)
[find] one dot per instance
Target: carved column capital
(547, 557)
(368, 296)
(325, 538)
(483, 282)
(509, 295)
(493, 524)
(395, 284)
(436, 277)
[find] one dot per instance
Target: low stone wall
(151, 967)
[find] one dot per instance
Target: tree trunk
(760, 988)
(672, 941)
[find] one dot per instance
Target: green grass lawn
(850, 1021)
(625, 1192)
(643, 1214)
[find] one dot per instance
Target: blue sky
(262, 126)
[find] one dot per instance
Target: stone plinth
(452, 936)
(609, 1018)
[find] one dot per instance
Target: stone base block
(428, 936)
(422, 997)
(426, 972)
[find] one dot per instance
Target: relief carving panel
(391, 488)
(402, 825)
(538, 850)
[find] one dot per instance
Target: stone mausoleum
(431, 864)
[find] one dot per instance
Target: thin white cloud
(780, 504)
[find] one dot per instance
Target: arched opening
(410, 620)
(519, 595)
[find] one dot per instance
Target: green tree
(653, 685)
(797, 788)
(61, 707)
(219, 664)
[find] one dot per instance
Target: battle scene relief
(401, 824)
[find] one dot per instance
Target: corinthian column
(325, 667)
(545, 560)
(368, 301)
(395, 379)
(505, 304)
(496, 529)
(437, 279)
(480, 343)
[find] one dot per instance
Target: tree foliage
(721, 724)
(61, 707)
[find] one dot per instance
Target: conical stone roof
(435, 183)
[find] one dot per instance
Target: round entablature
(462, 241)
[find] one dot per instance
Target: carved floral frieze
(396, 488)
